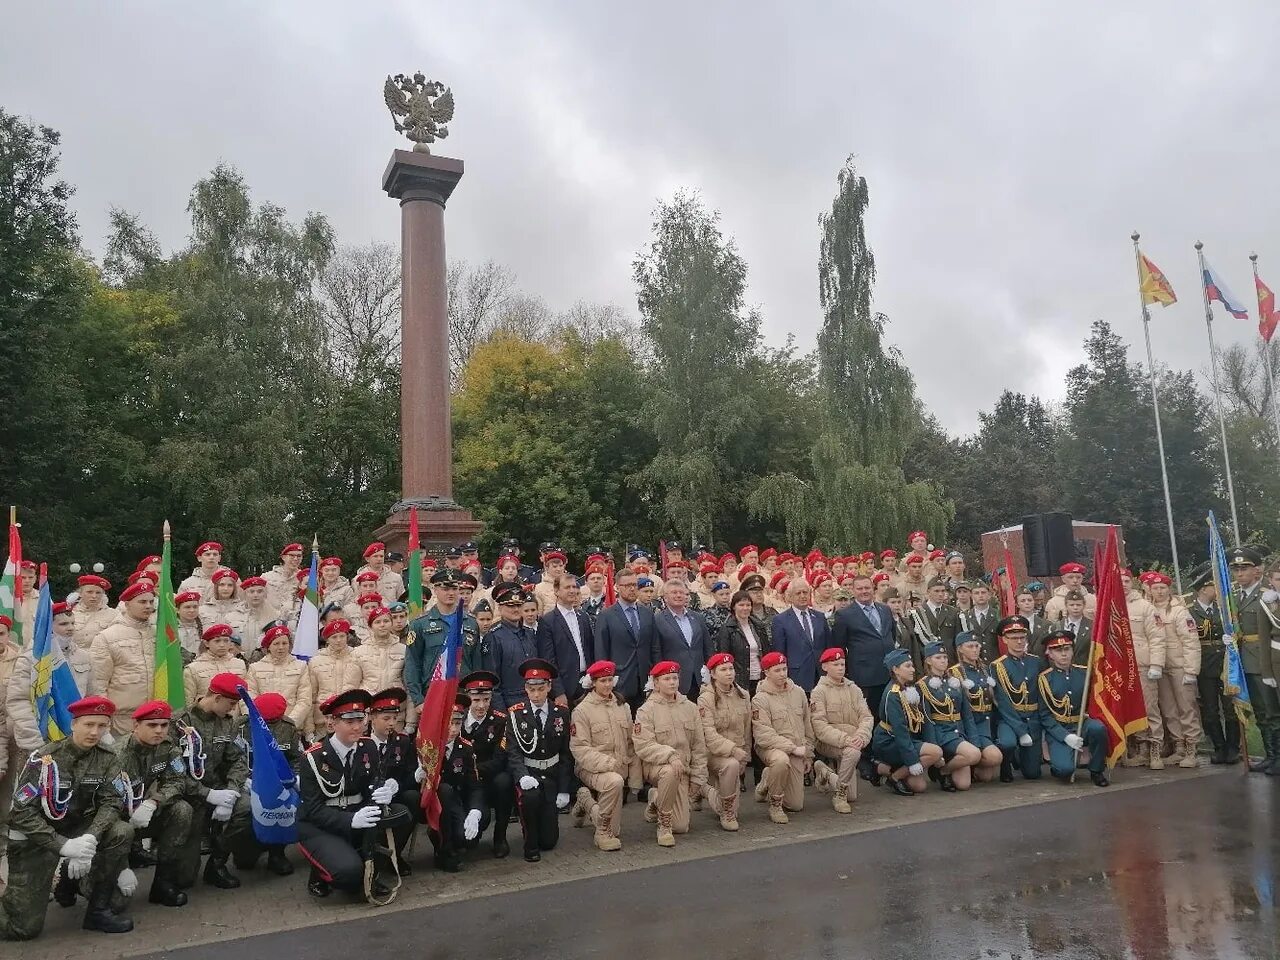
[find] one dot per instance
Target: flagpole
(1155, 403)
(1217, 394)
(1266, 355)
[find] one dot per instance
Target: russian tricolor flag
(1217, 290)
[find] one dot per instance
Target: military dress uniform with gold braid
(1256, 658)
(540, 751)
(62, 792)
(1217, 711)
(1062, 697)
(157, 774)
(1017, 696)
(979, 686)
(216, 758)
(948, 719)
(897, 737)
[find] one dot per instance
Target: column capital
(421, 176)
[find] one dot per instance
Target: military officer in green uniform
(1017, 693)
(217, 768)
(152, 782)
(1256, 656)
(65, 804)
(428, 632)
(1217, 712)
(1062, 701)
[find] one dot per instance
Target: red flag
(610, 597)
(1268, 317)
(1115, 695)
(433, 720)
(662, 559)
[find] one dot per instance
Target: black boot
(1232, 731)
(64, 891)
(501, 849)
(140, 857)
(1100, 779)
(277, 863)
(99, 916)
(946, 783)
(217, 875)
(1006, 771)
(317, 886)
(164, 892)
(900, 788)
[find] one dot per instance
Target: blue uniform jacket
(1017, 692)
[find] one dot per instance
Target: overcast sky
(1010, 149)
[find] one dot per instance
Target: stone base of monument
(441, 524)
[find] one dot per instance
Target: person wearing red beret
(258, 613)
(123, 656)
(554, 563)
(17, 703)
(279, 672)
(1176, 687)
(217, 767)
(9, 654)
(224, 603)
(334, 587)
(782, 730)
(842, 726)
(390, 583)
(93, 612)
(1072, 579)
(1147, 747)
(30, 597)
(537, 746)
(912, 582)
(603, 755)
(66, 806)
(209, 561)
(725, 710)
(274, 711)
(281, 580)
(380, 660)
(331, 671)
(218, 656)
(672, 750)
(154, 785)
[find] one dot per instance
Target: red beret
(880, 577)
(28, 565)
(767, 553)
(139, 588)
(937, 554)
(279, 630)
(779, 577)
(1124, 571)
(222, 573)
(602, 668)
(208, 545)
(820, 578)
(376, 547)
(831, 653)
(186, 596)
(814, 554)
(719, 658)
(92, 707)
(227, 685)
(1145, 576)
(889, 553)
(375, 613)
(1071, 568)
(149, 575)
(555, 555)
(749, 548)
(6, 620)
(148, 561)
(248, 582)
(335, 626)
(291, 548)
(217, 630)
(93, 580)
(331, 562)
(153, 710)
(663, 667)
(868, 555)
(915, 560)
(62, 607)
(917, 533)
(772, 659)
(1158, 577)
(429, 563)
(271, 705)
(708, 568)
(508, 556)
(367, 576)
(369, 598)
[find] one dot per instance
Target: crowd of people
(675, 679)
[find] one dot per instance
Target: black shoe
(1233, 755)
(1006, 772)
(217, 875)
(875, 779)
(64, 891)
(278, 863)
(166, 894)
(1100, 779)
(317, 887)
(1219, 756)
(140, 857)
(379, 890)
(946, 783)
(900, 788)
(99, 916)
(406, 868)
(808, 779)
(1261, 766)
(533, 857)
(935, 774)
(206, 845)
(501, 849)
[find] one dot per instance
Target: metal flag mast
(1266, 353)
(1217, 395)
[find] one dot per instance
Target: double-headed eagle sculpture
(419, 107)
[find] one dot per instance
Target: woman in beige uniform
(332, 671)
(1177, 684)
(225, 603)
(283, 673)
(217, 657)
(726, 727)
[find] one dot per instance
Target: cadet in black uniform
(346, 803)
(483, 728)
(460, 794)
(536, 743)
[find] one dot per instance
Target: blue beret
(932, 649)
(896, 657)
(966, 637)
(644, 582)
(719, 585)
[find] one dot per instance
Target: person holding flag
(1217, 712)
(1256, 656)
(1062, 703)
(275, 747)
(52, 674)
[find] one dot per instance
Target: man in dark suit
(864, 629)
(625, 634)
(682, 636)
(565, 639)
(800, 634)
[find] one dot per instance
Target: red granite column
(423, 183)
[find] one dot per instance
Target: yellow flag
(1153, 284)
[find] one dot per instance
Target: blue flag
(1233, 682)
(272, 785)
(53, 686)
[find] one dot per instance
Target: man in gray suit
(682, 636)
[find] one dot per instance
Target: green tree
(1251, 434)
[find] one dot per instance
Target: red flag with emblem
(1115, 693)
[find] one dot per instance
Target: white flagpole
(1266, 355)
(1155, 403)
(1217, 395)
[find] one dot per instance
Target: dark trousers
(539, 820)
(234, 836)
(499, 798)
(338, 858)
(1266, 709)
(1216, 710)
(874, 695)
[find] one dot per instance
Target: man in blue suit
(625, 635)
(800, 634)
(682, 636)
(864, 630)
(565, 639)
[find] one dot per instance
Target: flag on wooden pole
(11, 586)
(167, 682)
(414, 594)
(1115, 695)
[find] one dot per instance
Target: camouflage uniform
(86, 777)
(157, 774)
(225, 766)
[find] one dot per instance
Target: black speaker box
(1047, 542)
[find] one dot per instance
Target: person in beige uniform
(225, 604)
(390, 583)
(281, 580)
(726, 727)
(912, 583)
(544, 592)
(190, 628)
(669, 742)
(123, 656)
(279, 671)
(8, 749)
(209, 557)
(22, 715)
(603, 756)
(30, 599)
(332, 671)
(1072, 579)
(334, 587)
(1149, 651)
(783, 733)
(842, 726)
(367, 603)
(1177, 685)
(93, 612)
(217, 657)
(258, 612)
(381, 660)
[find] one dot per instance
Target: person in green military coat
(152, 782)
(1256, 656)
(1062, 701)
(273, 707)
(427, 635)
(65, 804)
(898, 743)
(217, 769)
(949, 722)
(1217, 711)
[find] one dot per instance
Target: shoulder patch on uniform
(573, 729)
(636, 728)
(464, 741)
(755, 713)
(314, 747)
(499, 713)
(702, 711)
(516, 706)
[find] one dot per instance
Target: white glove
(127, 882)
(419, 775)
(221, 814)
(387, 792)
(1024, 740)
(562, 801)
(706, 675)
(968, 684)
(1270, 682)
(365, 817)
(528, 783)
(222, 798)
(410, 728)
(471, 825)
(1188, 678)
(916, 770)
(1155, 673)
(78, 867)
(1073, 741)
(79, 848)
(141, 816)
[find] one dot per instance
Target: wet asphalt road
(1184, 870)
